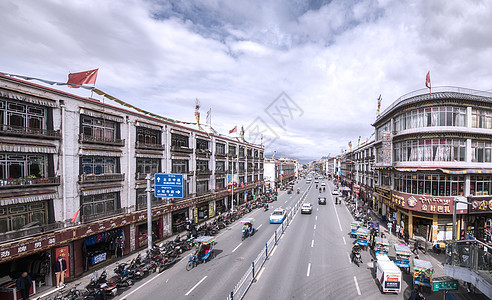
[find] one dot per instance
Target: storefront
(201, 212)
(220, 206)
(142, 231)
(178, 219)
(102, 247)
(429, 217)
(479, 221)
(385, 206)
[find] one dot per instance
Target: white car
(306, 208)
(278, 216)
(323, 184)
(335, 192)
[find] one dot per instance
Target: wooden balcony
(83, 138)
(30, 230)
(28, 182)
(109, 214)
(205, 172)
(141, 145)
(92, 178)
(203, 152)
(29, 132)
(181, 149)
(217, 154)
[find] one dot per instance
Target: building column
(410, 224)
(398, 217)
(434, 227)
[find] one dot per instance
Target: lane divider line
(314, 226)
(195, 286)
(236, 247)
(312, 243)
(316, 219)
(259, 274)
(348, 255)
(309, 270)
(357, 285)
(273, 251)
(344, 242)
(259, 226)
(338, 218)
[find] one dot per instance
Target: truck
(388, 274)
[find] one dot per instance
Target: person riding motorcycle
(265, 206)
(320, 190)
(355, 249)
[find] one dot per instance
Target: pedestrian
(23, 284)
(416, 247)
(397, 230)
(390, 226)
(60, 266)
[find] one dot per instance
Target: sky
(301, 77)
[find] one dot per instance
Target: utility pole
(149, 213)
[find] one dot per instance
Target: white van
(388, 274)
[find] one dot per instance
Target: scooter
(265, 207)
(357, 258)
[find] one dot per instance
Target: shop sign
(195, 214)
(385, 193)
(211, 211)
(481, 205)
(98, 258)
(11, 251)
(421, 203)
(63, 252)
(205, 198)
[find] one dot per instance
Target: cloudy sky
(307, 74)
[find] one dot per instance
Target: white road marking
(357, 285)
(312, 243)
(236, 247)
(259, 274)
(317, 209)
(348, 255)
(259, 226)
(286, 201)
(150, 280)
(316, 218)
(314, 226)
(344, 242)
(339, 224)
(167, 280)
(273, 251)
(309, 269)
(197, 285)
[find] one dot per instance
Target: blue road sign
(168, 185)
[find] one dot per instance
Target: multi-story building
(279, 172)
(73, 177)
(431, 150)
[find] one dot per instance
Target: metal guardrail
(249, 277)
(471, 254)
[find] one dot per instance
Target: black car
(322, 200)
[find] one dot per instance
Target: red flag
(233, 130)
(76, 214)
(428, 80)
(87, 77)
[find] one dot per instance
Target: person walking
(23, 284)
(60, 266)
(397, 230)
(390, 226)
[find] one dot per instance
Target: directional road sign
(168, 185)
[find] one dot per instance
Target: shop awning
(414, 170)
(467, 171)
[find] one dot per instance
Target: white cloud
(333, 58)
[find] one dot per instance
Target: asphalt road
(312, 260)
(216, 278)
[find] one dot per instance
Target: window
(232, 169)
(220, 165)
(148, 165)
(481, 118)
(480, 185)
(98, 128)
(14, 217)
(430, 150)
(99, 204)
(430, 184)
(232, 149)
(180, 166)
(220, 148)
(241, 151)
(148, 136)
(142, 199)
(202, 187)
(23, 115)
(481, 151)
(21, 165)
(379, 132)
(202, 144)
(202, 165)
(99, 165)
(241, 166)
(435, 116)
(220, 183)
(179, 140)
